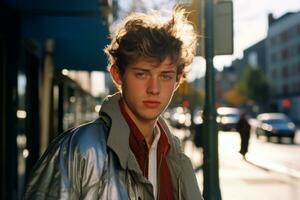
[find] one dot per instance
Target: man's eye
(166, 77)
(140, 75)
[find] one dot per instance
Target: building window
(285, 89)
(273, 41)
(274, 58)
(284, 36)
(284, 54)
(293, 87)
(293, 69)
(285, 72)
(296, 87)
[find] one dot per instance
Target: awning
(77, 28)
(79, 40)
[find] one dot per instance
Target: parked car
(227, 118)
(198, 116)
(180, 117)
(275, 124)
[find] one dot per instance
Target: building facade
(38, 40)
(283, 63)
(255, 55)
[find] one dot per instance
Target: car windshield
(276, 121)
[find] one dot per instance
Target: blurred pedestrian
(198, 135)
(129, 152)
(197, 129)
(243, 127)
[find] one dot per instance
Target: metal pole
(210, 165)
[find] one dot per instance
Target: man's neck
(146, 127)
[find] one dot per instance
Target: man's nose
(153, 86)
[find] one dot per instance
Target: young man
(129, 152)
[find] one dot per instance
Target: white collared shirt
(152, 167)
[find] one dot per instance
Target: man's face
(147, 88)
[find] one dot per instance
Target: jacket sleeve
(71, 167)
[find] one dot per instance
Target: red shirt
(140, 149)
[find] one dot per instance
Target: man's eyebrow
(140, 69)
(169, 71)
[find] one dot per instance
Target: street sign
(223, 28)
(223, 25)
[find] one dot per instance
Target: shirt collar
(156, 137)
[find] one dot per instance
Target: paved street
(269, 173)
(281, 157)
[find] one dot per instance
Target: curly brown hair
(152, 36)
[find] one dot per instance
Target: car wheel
(256, 133)
(268, 136)
(257, 136)
(279, 139)
(292, 139)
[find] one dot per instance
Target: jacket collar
(118, 137)
(119, 130)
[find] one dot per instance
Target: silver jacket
(94, 161)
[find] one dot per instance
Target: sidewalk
(243, 180)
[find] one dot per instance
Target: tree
(187, 91)
(255, 85)
(235, 96)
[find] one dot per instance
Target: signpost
(210, 159)
(215, 28)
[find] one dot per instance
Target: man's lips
(151, 104)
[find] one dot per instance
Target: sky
(250, 26)
(251, 21)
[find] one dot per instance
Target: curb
(266, 165)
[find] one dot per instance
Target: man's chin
(150, 116)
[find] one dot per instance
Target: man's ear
(115, 74)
